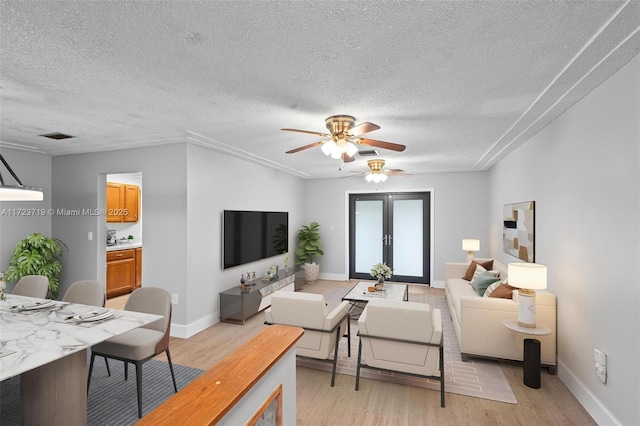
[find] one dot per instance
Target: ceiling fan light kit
(344, 138)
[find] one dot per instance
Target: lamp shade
(531, 276)
(470, 245)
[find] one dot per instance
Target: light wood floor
(381, 403)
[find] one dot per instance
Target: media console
(237, 305)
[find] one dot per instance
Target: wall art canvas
(518, 232)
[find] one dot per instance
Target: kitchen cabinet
(138, 267)
(121, 272)
(123, 202)
(115, 201)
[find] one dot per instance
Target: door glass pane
(407, 237)
(368, 234)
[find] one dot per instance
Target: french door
(392, 228)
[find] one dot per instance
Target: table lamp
(470, 245)
(527, 277)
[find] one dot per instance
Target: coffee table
(359, 296)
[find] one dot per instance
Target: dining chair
(87, 292)
(323, 329)
(32, 286)
(143, 343)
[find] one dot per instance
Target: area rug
(112, 400)
(478, 378)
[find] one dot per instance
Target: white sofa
(478, 320)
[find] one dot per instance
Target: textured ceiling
(461, 84)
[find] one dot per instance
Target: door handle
(384, 239)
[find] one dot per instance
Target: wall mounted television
(253, 235)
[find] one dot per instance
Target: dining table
(46, 343)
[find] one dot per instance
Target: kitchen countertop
(124, 246)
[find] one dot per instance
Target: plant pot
(311, 272)
(380, 284)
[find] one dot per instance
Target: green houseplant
(309, 246)
(37, 255)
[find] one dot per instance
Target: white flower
(381, 270)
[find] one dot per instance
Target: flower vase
(380, 284)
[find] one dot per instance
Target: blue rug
(111, 400)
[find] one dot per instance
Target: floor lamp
(527, 277)
(470, 245)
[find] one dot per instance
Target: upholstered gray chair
(32, 286)
(322, 329)
(86, 292)
(143, 343)
(404, 337)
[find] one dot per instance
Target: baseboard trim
(594, 407)
(437, 284)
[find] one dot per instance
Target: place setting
(85, 319)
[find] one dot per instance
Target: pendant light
(18, 192)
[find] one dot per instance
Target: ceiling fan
(377, 174)
(344, 136)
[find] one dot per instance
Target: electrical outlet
(90, 236)
(174, 298)
(600, 367)
(601, 372)
(599, 357)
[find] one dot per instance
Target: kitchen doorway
(394, 228)
(124, 237)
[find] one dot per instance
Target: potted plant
(37, 255)
(308, 247)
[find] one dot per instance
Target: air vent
(57, 135)
(368, 153)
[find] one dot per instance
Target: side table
(531, 355)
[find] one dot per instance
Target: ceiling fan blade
(382, 144)
(346, 158)
(363, 128)
(310, 132)
(398, 172)
(302, 148)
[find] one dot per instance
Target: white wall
(79, 183)
(459, 204)
(21, 218)
(186, 188)
(583, 173)
(215, 183)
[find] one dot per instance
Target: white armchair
(401, 336)
(322, 329)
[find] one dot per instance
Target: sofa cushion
(487, 265)
(482, 281)
(503, 291)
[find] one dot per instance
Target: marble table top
(32, 338)
(538, 330)
(359, 292)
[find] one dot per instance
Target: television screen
(253, 235)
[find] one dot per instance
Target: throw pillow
(503, 291)
(479, 270)
(492, 287)
(482, 281)
(488, 264)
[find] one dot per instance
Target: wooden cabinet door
(121, 272)
(115, 201)
(131, 203)
(138, 267)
